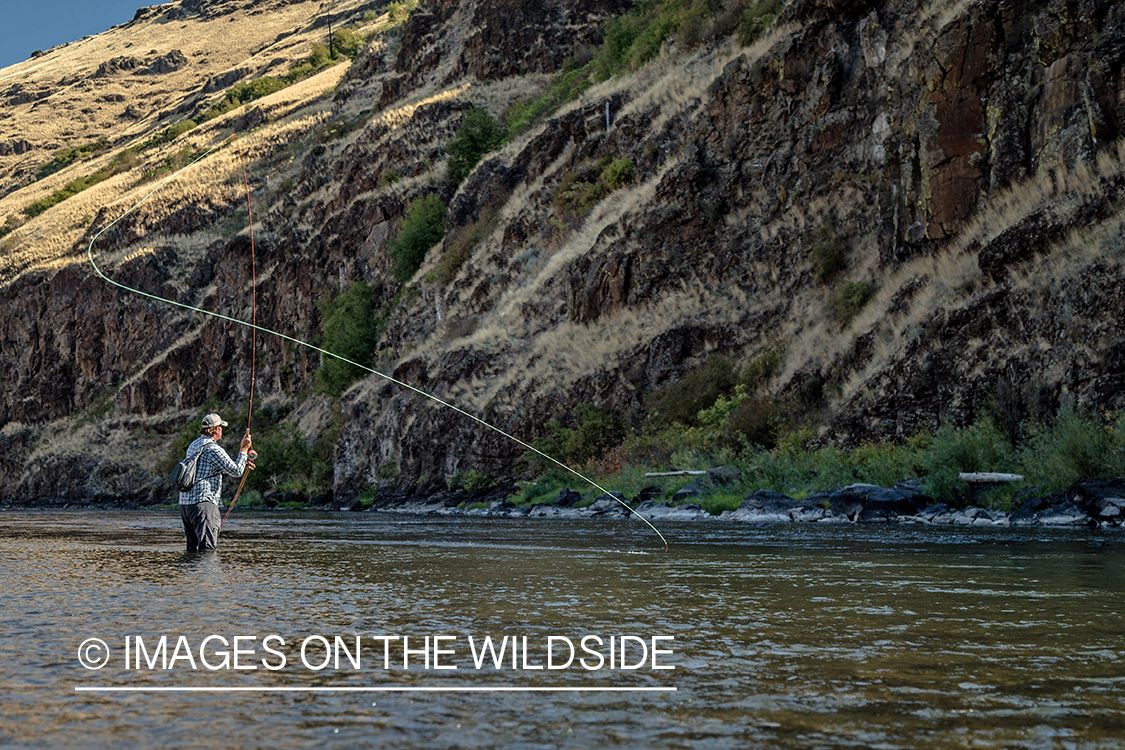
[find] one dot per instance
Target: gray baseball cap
(213, 420)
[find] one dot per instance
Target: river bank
(1087, 503)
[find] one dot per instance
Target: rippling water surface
(790, 637)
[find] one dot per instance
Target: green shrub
(618, 173)
(544, 489)
(169, 134)
(251, 499)
(681, 402)
(243, 93)
(459, 247)
(829, 254)
(646, 45)
(123, 162)
(620, 33)
(577, 194)
(981, 446)
(715, 417)
(632, 40)
(757, 18)
(595, 431)
(319, 56)
(1073, 446)
(479, 133)
(366, 498)
(285, 459)
(574, 78)
(69, 190)
(400, 10)
(351, 330)
(738, 423)
(11, 224)
(753, 423)
(762, 367)
(474, 481)
(885, 464)
(691, 23)
(723, 500)
(68, 156)
(849, 300)
(301, 70)
(423, 227)
(347, 42)
(741, 423)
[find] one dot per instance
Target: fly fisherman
(199, 507)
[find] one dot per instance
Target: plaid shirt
(209, 471)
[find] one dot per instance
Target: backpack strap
(199, 455)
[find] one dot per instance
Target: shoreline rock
(1088, 503)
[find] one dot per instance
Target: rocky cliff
(952, 169)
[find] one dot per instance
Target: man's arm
(227, 465)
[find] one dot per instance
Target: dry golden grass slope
(72, 106)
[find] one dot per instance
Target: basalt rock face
(88, 339)
(1068, 341)
(544, 35)
(903, 132)
(878, 134)
(502, 38)
(157, 65)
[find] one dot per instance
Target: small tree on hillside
(479, 133)
(423, 228)
(351, 330)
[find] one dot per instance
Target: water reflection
(784, 637)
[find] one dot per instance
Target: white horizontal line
(387, 689)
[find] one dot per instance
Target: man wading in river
(199, 507)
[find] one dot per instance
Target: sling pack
(183, 474)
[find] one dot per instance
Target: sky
(29, 25)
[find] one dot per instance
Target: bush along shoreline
(1090, 503)
(1066, 471)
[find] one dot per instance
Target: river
(369, 630)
